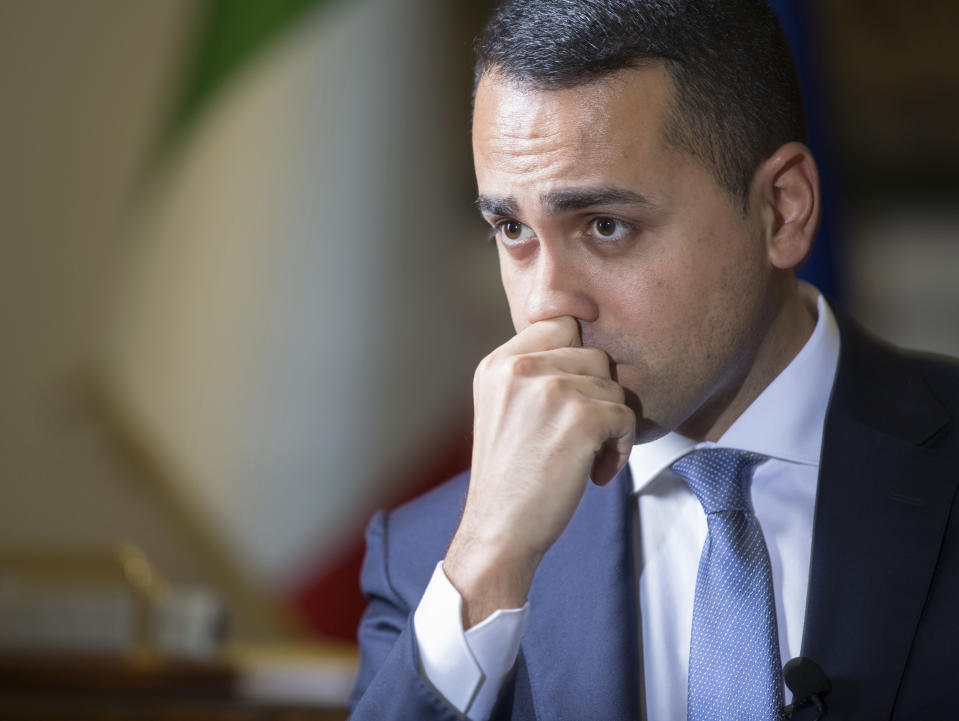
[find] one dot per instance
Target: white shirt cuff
(467, 669)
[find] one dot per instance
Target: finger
(559, 332)
(614, 452)
(606, 464)
(598, 389)
(578, 361)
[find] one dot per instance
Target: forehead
(601, 132)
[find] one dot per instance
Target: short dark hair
(736, 97)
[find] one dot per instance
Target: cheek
(669, 297)
(515, 293)
(642, 320)
(715, 302)
(676, 312)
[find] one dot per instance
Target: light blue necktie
(734, 665)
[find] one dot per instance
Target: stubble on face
(683, 307)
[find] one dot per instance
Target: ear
(787, 187)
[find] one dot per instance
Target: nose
(559, 285)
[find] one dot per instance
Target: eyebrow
(559, 201)
(489, 205)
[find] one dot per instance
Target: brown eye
(512, 232)
(605, 226)
(610, 230)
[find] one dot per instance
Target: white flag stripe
(289, 331)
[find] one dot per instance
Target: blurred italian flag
(306, 289)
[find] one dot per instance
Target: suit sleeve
(389, 686)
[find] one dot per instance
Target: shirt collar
(785, 421)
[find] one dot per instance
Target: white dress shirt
(785, 423)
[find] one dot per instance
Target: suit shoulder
(434, 511)
(911, 394)
(941, 376)
(941, 372)
(415, 535)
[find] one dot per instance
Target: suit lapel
(580, 644)
(882, 506)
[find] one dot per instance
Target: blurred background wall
(243, 288)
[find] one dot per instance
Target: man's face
(597, 217)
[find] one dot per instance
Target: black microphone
(808, 683)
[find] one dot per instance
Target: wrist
(488, 576)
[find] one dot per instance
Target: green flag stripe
(230, 33)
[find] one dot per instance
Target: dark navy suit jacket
(882, 616)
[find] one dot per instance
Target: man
(643, 169)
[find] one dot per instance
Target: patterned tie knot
(718, 477)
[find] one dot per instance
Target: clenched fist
(548, 416)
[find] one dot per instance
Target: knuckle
(609, 418)
(626, 415)
(552, 387)
(597, 356)
(616, 392)
(482, 369)
(521, 365)
(581, 416)
(485, 364)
